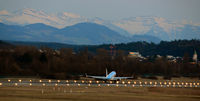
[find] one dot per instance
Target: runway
(131, 83)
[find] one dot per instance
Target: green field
(83, 93)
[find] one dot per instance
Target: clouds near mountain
(31, 16)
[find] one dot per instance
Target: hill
(5, 45)
(175, 48)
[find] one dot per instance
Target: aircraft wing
(120, 78)
(97, 77)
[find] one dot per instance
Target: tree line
(174, 48)
(67, 64)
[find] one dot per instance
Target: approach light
(117, 82)
(133, 85)
(30, 80)
(75, 81)
(145, 83)
(150, 83)
(135, 82)
(1, 84)
(58, 81)
(67, 81)
(129, 82)
(49, 81)
(78, 84)
(123, 82)
(8, 80)
(43, 84)
(56, 84)
(40, 80)
(169, 83)
(99, 85)
(160, 83)
(165, 83)
(155, 83)
(97, 81)
(67, 84)
(16, 84)
(20, 80)
(82, 81)
(30, 84)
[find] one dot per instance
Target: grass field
(83, 93)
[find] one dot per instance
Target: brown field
(83, 93)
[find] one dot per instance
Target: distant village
(171, 58)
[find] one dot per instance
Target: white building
(135, 55)
(195, 57)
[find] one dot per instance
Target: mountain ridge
(147, 25)
(82, 33)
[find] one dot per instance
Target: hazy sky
(112, 9)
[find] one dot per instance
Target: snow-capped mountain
(162, 28)
(59, 20)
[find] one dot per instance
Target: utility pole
(112, 51)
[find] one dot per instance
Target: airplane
(110, 76)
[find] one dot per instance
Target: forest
(65, 63)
